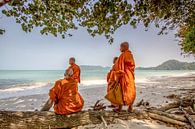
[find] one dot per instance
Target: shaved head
(72, 61)
(72, 58)
(124, 46)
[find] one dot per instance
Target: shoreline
(154, 92)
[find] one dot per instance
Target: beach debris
(173, 96)
(191, 121)
(142, 103)
(179, 114)
(104, 122)
(186, 101)
(98, 106)
(123, 123)
(47, 105)
(193, 106)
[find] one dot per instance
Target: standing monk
(124, 68)
(111, 78)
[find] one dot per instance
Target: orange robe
(125, 66)
(66, 97)
(111, 77)
(76, 72)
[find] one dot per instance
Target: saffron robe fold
(76, 72)
(111, 77)
(124, 74)
(66, 97)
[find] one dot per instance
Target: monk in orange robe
(124, 68)
(111, 78)
(64, 94)
(76, 70)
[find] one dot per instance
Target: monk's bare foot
(130, 109)
(118, 109)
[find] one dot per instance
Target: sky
(33, 51)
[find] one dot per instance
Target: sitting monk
(65, 96)
(111, 78)
(76, 70)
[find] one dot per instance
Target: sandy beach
(155, 92)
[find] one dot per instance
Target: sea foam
(27, 87)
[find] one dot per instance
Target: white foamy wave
(28, 87)
(93, 82)
(184, 74)
(104, 82)
(142, 80)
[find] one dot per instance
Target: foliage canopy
(104, 17)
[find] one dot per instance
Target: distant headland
(171, 65)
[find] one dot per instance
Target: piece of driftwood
(166, 119)
(142, 103)
(172, 110)
(45, 120)
(104, 122)
(170, 106)
(47, 105)
(98, 106)
(172, 116)
(191, 121)
(186, 101)
(139, 103)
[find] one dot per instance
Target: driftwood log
(49, 120)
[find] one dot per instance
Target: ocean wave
(27, 87)
(93, 82)
(104, 82)
(184, 74)
(142, 80)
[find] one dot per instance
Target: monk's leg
(130, 109)
(130, 106)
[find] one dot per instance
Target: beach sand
(155, 92)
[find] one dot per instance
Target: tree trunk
(46, 120)
(166, 119)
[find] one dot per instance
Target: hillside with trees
(172, 65)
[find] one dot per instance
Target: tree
(104, 17)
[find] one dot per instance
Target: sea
(15, 83)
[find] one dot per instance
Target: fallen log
(170, 106)
(189, 118)
(166, 119)
(45, 120)
(186, 101)
(172, 116)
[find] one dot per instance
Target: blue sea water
(15, 83)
